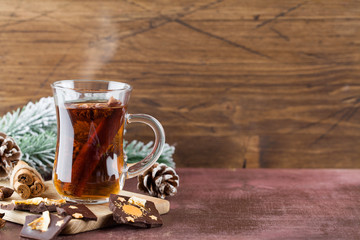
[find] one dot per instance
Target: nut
(77, 215)
(130, 219)
(59, 223)
(137, 201)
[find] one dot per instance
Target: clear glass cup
(90, 163)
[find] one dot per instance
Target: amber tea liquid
(90, 136)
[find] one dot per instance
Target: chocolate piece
(79, 211)
(134, 211)
(5, 192)
(57, 224)
(42, 207)
(34, 205)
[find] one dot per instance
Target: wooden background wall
(273, 82)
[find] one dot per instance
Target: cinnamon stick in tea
(91, 152)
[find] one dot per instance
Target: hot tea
(90, 163)
(91, 160)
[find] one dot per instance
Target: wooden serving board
(102, 211)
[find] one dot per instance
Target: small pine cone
(10, 154)
(159, 181)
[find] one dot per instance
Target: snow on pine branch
(33, 119)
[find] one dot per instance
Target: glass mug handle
(159, 143)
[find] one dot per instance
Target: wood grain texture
(250, 204)
(272, 82)
(102, 211)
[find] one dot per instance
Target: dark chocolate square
(120, 207)
(57, 224)
(75, 210)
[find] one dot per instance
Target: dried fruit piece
(38, 200)
(42, 223)
(131, 210)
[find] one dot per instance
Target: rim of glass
(122, 86)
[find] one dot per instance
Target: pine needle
(34, 118)
(39, 151)
(136, 151)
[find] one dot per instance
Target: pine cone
(10, 154)
(159, 181)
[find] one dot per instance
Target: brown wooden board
(102, 211)
(272, 82)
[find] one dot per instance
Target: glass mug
(90, 162)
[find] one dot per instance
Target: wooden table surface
(250, 204)
(272, 82)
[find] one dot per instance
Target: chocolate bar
(34, 205)
(134, 211)
(79, 211)
(55, 226)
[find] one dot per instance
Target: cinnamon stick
(22, 189)
(26, 181)
(91, 152)
(37, 188)
(24, 176)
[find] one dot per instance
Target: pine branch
(136, 151)
(39, 151)
(34, 129)
(33, 118)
